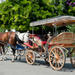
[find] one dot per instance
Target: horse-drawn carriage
(52, 50)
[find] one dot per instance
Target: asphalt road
(40, 68)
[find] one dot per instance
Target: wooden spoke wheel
(30, 57)
(56, 58)
(72, 57)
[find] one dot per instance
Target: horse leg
(14, 56)
(2, 53)
(4, 57)
(19, 54)
(0, 50)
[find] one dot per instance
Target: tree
(15, 13)
(19, 13)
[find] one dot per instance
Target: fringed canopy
(58, 21)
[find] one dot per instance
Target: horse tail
(18, 40)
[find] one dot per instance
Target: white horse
(23, 36)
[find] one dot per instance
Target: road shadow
(37, 62)
(67, 67)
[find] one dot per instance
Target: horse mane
(18, 40)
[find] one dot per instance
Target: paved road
(40, 68)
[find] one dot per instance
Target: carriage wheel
(56, 58)
(72, 57)
(30, 57)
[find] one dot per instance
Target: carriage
(54, 48)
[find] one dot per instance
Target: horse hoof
(1, 59)
(12, 60)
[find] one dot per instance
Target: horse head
(23, 36)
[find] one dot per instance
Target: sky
(1, 0)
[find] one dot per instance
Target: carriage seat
(37, 40)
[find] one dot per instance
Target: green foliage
(18, 14)
(71, 10)
(71, 28)
(2, 29)
(15, 14)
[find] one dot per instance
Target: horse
(23, 36)
(9, 38)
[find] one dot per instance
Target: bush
(2, 30)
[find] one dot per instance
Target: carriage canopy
(58, 21)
